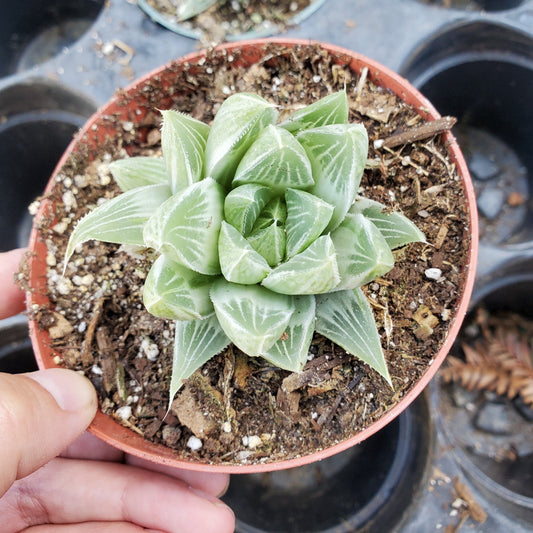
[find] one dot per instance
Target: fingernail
(209, 497)
(71, 391)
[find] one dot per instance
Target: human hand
(91, 486)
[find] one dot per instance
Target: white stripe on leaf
(277, 160)
(120, 220)
(237, 124)
(253, 317)
(195, 342)
(338, 155)
(395, 227)
(313, 271)
(332, 109)
(346, 318)
(187, 225)
(133, 172)
(291, 350)
(183, 141)
(362, 252)
(175, 292)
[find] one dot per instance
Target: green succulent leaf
(346, 318)
(269, 242)
(190, 8)
(307, 217)
(338, 155)
(237, 124)
(139, 171)
(187, 225)
(291, 350)
(332, 109)
(277, 160)
(173, 291)
(183, 141)
(239, 262)
(253, 317)
(120, 220)
(312, 271)
(362, 252)
(395, 227)
(243, 205)
(275, 212)
(196, 341)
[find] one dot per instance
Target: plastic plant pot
(16, 354)
(491, 435)
(111, 431)
(40, 120)
(32, 32)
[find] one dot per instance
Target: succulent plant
(260, 234)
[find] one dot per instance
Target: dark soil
(236, 405)
(228, 18)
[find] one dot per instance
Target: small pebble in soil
(252, 441)
(150, 349)
(194, 443)
(124, 412)
(433, 273)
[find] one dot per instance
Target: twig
(429, 129)
(361, 82)
(89, 335)
(327, 417)
(449, 168)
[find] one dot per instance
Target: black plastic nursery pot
(16, 353)
(31, 33)
(40, 119)
(492, 434)
(473, 60)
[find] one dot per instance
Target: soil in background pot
(235, 18)
(235, 409)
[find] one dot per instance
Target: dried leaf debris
(499, 360)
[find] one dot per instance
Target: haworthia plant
(262, 238)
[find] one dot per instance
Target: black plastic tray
(474, 60)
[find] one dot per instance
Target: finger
(12, 300)
(40, 414)
(68, 491)
(91, 527)
(87, 446)
(214, 484)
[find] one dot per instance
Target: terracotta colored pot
(251, 51)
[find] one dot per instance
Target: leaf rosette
(261, 236)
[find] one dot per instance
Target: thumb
(41, 413)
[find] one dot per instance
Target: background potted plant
(214, 21)
(129, 120)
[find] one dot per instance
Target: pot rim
(107, 429)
